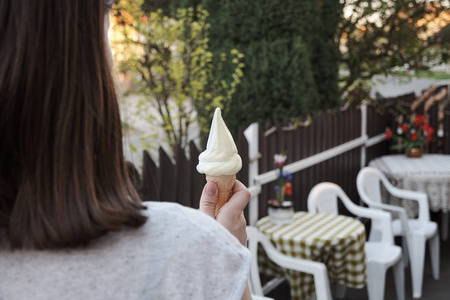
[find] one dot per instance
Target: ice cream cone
(224, 184)
(220, 161)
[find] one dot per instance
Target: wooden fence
(327, 131)
(180, 182)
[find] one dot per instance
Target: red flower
(388, 134)
(288, 189)
(429, 130)
(419, 119)
(425, 126)
(414, 136)
(404, 127)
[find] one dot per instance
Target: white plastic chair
(415, 232)
(381, 253)
(318, 269)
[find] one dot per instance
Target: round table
(336, 240)
(429, 173)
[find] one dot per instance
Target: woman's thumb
(208, 200)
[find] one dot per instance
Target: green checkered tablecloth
(336, 240)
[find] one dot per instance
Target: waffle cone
(224, 184)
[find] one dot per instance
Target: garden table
(335, 240)
(429, 173)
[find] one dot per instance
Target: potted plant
(412, 136)
(281, 209)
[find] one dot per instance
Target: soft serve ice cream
(221, 156)
(220, 161)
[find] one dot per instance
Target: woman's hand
(231, 215)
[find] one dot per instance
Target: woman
(71, 224)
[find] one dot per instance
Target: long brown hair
(63, 179)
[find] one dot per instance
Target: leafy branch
(172, 69)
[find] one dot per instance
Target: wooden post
(168, 178)
(197, 179)
(183, 180)
(151, 180)
(363, 132)
(242, 146)
(252, 136)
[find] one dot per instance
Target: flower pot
(414, 152)
(280, 214)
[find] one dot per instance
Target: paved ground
(432, 289)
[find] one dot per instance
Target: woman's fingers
(239, 199)
(231, 215)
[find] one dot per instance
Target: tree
(172, 69)
(291, 56)
(384, 36)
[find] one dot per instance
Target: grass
(441, 76)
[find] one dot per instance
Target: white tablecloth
(429, 173)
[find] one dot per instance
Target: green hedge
(291, 55)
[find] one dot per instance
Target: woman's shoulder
(200, 250)
(170, 222)
(161, 211)
(170, 213)
(175, 218)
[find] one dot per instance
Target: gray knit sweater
(178, 254)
